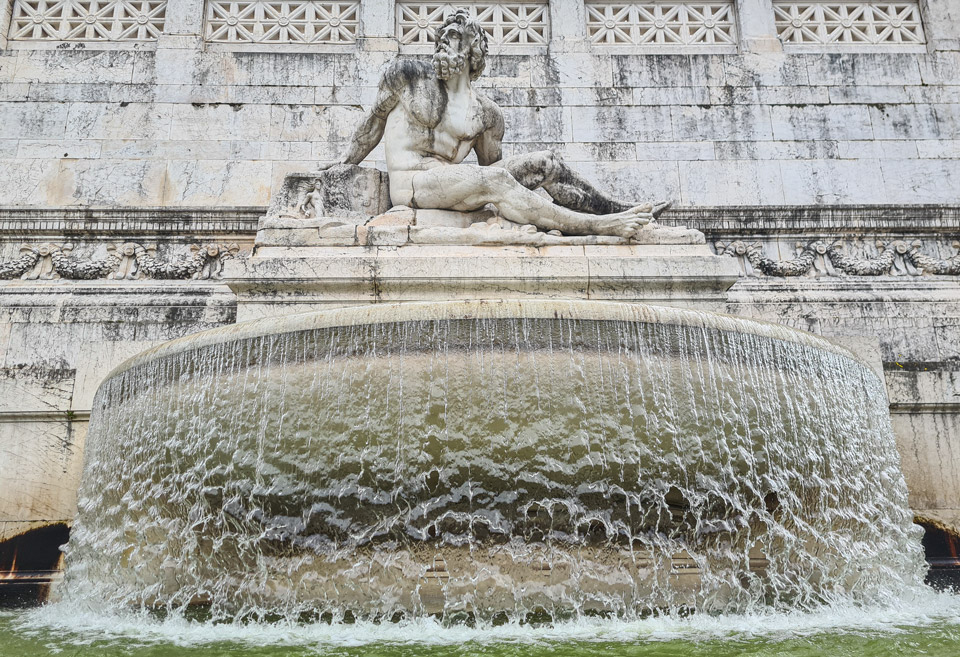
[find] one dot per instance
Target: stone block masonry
(180, 121)
(135, 162)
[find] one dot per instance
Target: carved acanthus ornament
(817, 259)
(124, 261)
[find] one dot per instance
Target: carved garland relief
(818, 258)
(124, 261)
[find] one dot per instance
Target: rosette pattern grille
(282, 22)
(853, 23)
(509, 24)
(661, 23)
(87, 20)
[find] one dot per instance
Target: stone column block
(568, 24)
(941, 23)
(758, 31)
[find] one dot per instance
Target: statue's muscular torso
(429, 125)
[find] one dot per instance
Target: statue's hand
(330, 165)
(659, 207)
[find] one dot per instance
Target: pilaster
(6, 11)
(758, 30)
(941, 23)
(182, 37)
(568, 24)
(184, 18)
(378, 25)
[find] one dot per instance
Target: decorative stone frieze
(818, 258)
(661, 23)
(124, 261)
(506, 24)
(282, 22)
(87, 20)
(849, 23)
(17, 268)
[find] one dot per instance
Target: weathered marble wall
(178, 122)
(60, 336)
(205, 131)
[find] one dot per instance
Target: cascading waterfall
(491, 458)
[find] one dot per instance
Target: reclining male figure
(431, 117)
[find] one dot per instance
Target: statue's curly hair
(472, 34)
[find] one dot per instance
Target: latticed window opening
(87, 20)
(854, 23)
(661, 23)
(507, 24)
(282, 22)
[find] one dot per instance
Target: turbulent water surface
(531, 460)
(928, 625)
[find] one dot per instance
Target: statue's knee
(495, 177)
(551, 162)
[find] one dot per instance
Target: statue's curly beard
(448, 62)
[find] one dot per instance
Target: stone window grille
(294, 21)
(506, 24)
(661, 24)
(87, 20)
(849, 23)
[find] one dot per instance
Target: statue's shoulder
(493, 115)
(403, 72)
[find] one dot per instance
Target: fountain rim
(561, 309)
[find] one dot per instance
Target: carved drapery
(818, 258)
(124, 261)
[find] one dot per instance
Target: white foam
(81, 626)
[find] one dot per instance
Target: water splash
(486, 461)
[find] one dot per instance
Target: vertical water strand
(580, 464)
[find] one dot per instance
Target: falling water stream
(491, 464)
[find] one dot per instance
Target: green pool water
(931, 628)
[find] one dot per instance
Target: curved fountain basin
(488, 457)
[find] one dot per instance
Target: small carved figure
(430, 117)
(312, 204)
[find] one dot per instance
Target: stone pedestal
(428, 255)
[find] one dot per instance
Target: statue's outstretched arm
(364, 139)
(370, 132)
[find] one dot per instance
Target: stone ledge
(907, 219)
(21, 221)
(278, 279)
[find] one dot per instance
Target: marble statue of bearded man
(430, 117)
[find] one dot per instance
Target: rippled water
(493, 469)
(928, 625)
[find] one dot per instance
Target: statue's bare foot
(623, 224)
